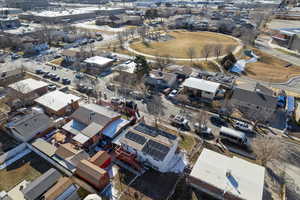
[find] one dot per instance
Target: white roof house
(201, 84)
(56, 100)
(98, 60)
(227, 176)
(28, 85)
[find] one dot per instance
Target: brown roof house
(63, 189)
(69, 156)
(92, 174)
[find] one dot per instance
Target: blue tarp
(290, 103)
(112, 129)
(77, 125)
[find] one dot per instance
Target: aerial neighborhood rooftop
(149, 100)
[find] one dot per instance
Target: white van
(234, 136)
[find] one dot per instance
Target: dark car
(55, 78)
(46, 75)
(218, 121)
(66, 81)
(51, 87)
(39, 71)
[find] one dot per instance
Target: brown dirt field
(183, 40)
(271, 69)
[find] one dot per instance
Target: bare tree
(155, 107)
(191, 53)
(266, 148)
(206, 51)
(202, 118)
(121, 40)
(92, 48)
(218, 50)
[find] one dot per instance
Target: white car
(242, 126)
(173, 93)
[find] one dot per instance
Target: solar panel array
(154, 132)
(135, 137)
(156, 150)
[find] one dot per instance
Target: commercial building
(58, 103)
(200, 88)
(60, 15)
(27, 90)
(288, 38)
(152, 146)
(26, 4)
(98, 64)
(224, 177)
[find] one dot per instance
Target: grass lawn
(182, 41)
(28, 168)
(270, 69)
(57, 61)
(205, 66)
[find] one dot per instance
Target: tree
(218, 50)
(121, 39)
(206, 51)
(155, 107)
(191, 53)
(202, 118)
(142, 66)
(228, 61)
(266, 148)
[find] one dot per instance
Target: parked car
(55, 78)
(202, 129)
(116, 101)
(111, 86)
(46, 75)
(79, 75)
(217, 121)
(51, 87)
(39, 71)
(242, 126)
(173, 93)
(66, 81)
(179, 121)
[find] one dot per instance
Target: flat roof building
(225, 177)
(58, 103)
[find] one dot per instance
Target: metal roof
(201, 84)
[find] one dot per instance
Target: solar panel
(135, 137)
(154, 132)
(156, 150)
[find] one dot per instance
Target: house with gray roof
(91, 121)
(39, 186)
(255, 104)
(25, 128)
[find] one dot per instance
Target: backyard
(181, 41)
(27, 168)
